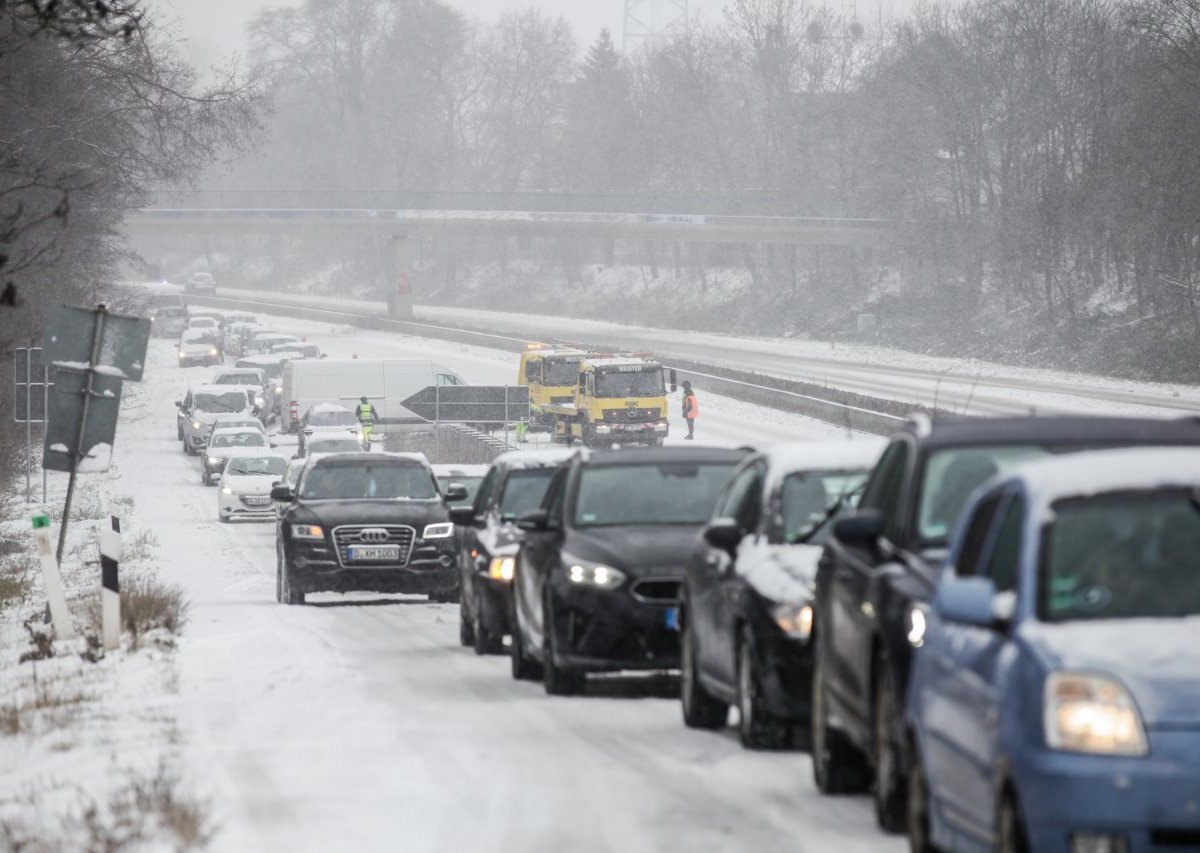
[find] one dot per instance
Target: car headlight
(441, 530)
(1092, 713)
(225, 490)
(260, 400)
(214, 462)
(182, 354)
(795, 620)
(278, 389)
(197, 425)
(602, 428)
(661, 426)
(501, 568)
(587, 573)
(916, 626)
(307, 531)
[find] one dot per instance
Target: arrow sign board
(66, 409)
(67, 343)
(467, 404)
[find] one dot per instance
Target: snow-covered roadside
(90, 744)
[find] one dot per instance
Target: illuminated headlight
(212, 351)
(1091, 713)
(225, 490)
(260, 400)
(278, 389)
(182, 354)
(307, 531)
(438, 531)
(661, 426)
(197, 425)
(501, 568)
(214, 462)
(916, 627)
(601, 428)
(795, 620)
(590, 574)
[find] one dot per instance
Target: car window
(479, 504)
(556, 494)
(368, 481)
(524, 490)
(1121, 556)
(275, 466)
(951, 475)
(471, 483)
(731, 498)
(748, 511)
(669, 493)
(807, 499)
(1003, 564)
(886, 485)
(976, 537)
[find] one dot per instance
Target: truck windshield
(560, 373)
(1121, 556)
(378, 482)
(639, 383)
(523, 491)
(634, 495)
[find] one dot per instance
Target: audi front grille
(350, 535)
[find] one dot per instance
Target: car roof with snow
(450, 470)
(195, 334)
(231, 419)
(264, 360)
(325, 408)
(534, 458)
(857, 455)
(1072, 430)
(237, 430)
(216, 390)
(248, 370)
(368, 457)
(621, 361)
(662, 455)
(1077, 475)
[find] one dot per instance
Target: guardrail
(855, 412)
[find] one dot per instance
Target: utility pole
(648, 20)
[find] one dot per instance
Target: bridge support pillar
(400, 286)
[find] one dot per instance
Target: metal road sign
(469, 404)
(33, 383)
(66, 410)
(122, 346)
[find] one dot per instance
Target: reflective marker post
(111, 551)
(56, 598)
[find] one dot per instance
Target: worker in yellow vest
(366, 416)
(691, 409)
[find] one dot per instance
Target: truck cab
(551, 376)
(617, 399)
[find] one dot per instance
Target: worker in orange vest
(691, 409)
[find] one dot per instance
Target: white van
(385, 382)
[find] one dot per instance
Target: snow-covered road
(359, 723)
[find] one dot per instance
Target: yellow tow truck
(616, 399)
(551, 374)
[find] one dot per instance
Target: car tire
(757, 727)
(888, 788)
(920, 839)
(838, 768)
(222, 517)
(700, 709)
(1010, 833)
(523, 668)
(557, 680)
(178, 433)
(284, 590)
(486, 643)
(466, 630)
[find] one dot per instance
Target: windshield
(640, 382)
(524, 490)
(807, 501)
(561, 372)
(334, 445)
(664, 493)
(202, 323)
(172, 312)
(293, 472)
(237, 379)
(197, 336)
(231, 401)
(350, 482)
(952, 475)
(1121, 556)
(334, 418)
(472, 484)
(238, 439)
(260, 465)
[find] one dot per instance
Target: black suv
(366, 521)
(747, 611)
(599, 571)
(878, 572)
(515, 484)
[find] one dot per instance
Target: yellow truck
(616, 399)
(551, 374)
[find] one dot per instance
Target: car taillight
(293, 408)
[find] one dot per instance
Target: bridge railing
(716, 203)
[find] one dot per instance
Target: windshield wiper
(830, 512)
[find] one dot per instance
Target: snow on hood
(1157, 659)
(788, 575)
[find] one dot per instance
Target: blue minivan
(1055, 698)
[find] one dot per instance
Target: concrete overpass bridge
(685, 217)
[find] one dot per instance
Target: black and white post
(111, 551)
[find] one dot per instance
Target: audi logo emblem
(373, 534)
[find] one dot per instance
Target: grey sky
(216, 28)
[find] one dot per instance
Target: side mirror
(456, 492)
(283, 494)
(179, 404)
(860, 530)
(463, 515)
(272, 445)
(723, 533)
(324, 355)
(674, 380)
(536, 520)
(968, 601)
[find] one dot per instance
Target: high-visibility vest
(691, 408)
(364, 412)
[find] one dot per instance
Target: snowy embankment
(90, 745)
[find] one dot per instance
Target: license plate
(672, 618)
(382, 552)
(257, 501)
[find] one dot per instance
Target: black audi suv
(366, 521)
